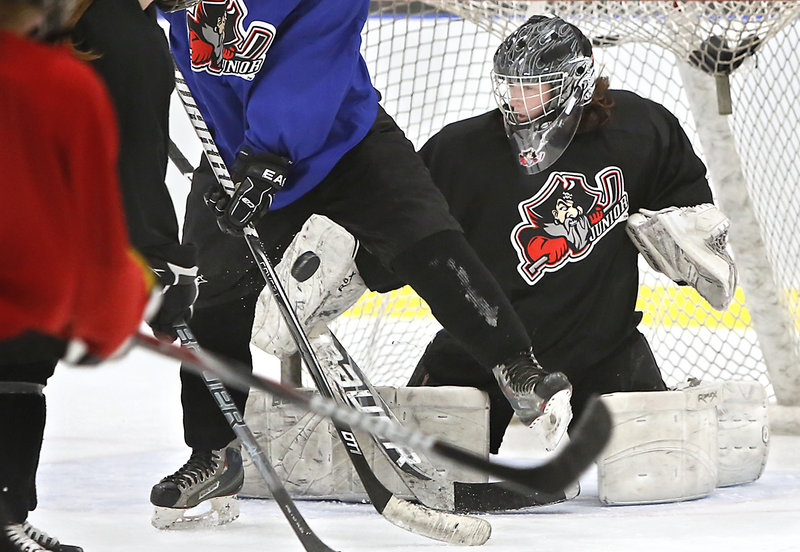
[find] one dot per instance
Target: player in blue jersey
(284, 89)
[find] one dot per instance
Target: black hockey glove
(257, 177)
(179, 291)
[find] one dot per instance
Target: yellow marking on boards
(666, 306)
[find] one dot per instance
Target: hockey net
(431, 62)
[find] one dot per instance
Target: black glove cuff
(266, 168)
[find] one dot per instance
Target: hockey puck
(305, 266)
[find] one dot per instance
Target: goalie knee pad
(319, 274)
(677, 445)
(688, 244)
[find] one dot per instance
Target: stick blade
(437, 525)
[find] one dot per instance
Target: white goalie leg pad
(663, 447)
(743, 432)
(319, 274)
(688, 244)
(313, 463)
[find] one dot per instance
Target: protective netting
(431, 62)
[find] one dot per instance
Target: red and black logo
(219, 43)
(561, 223)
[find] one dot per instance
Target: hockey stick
(307, 537)
(458, 496)
(442, 526)
(591, 434)
(354, 389)
(179, 159)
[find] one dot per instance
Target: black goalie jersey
(556, 241)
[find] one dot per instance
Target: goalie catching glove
(688, 245)
(257, 177)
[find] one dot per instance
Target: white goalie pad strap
(319, 274)
(663, 447)
(743, 432)
(688, 244)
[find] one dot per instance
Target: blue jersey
(279, 76)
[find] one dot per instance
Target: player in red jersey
(70, 284)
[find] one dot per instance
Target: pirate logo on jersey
(219, 43)
(564, 220)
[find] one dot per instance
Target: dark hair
(598, 111)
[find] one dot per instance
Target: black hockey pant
(631, 367)
(22, 418)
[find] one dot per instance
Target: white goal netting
(431, 62)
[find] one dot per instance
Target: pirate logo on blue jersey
(566, 217)
(219, 43)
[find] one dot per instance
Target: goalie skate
(550, 427)
(541, 400)
(202, 492)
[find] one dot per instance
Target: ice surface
(113, 431)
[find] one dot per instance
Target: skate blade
(551, 426)
(211, 513)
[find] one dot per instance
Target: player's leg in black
(22, 421)
(221, 323)
(214, 470)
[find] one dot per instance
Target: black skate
(540, 399)
(24, 537)
(213, 476)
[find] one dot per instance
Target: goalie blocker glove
(257, 178)
(688, 245)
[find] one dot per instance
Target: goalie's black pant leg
(463, 296)
(631, 367)
(224, 329)
(22, 419)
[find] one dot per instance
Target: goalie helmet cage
(431, 61)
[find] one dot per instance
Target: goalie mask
(543, 75)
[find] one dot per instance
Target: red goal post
(431, 62)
